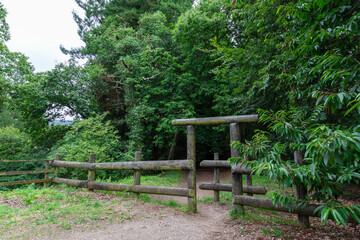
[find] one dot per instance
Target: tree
(92, 135)
(316, 72)
(14, 66)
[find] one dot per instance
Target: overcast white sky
(39, 27)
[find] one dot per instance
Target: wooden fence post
(301, 190)
(237, 185)
(137, 174)
(248, 177)
(46, 176)
(57, 169)
(216, 178)
(91, 172)
(191, 155)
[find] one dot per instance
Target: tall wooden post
(248, 177)
(91, 172)
(191, 155)
(301, 190)
(137, 174)
(216, 178)
(57, 169)
(46, 176)
(237, 185)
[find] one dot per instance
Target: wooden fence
(216, 186)
(236, 187)
(188, 165)
(45, 171)
(137, 166)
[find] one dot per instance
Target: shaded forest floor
(69, 213)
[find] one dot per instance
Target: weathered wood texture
(267, 204)
(191, 156)
(46, 176)
(228, 188)
(13, 173)
(236, 178)
(91, 172)
(225, 164)
(216, 178)
(215, 164)
(137, 174)
(173, 191)
(216, 120)
(24, 172)
(56, 168)
(168, 165)
(25, 182)
(248, 175)
(301, 190)
(15, 161)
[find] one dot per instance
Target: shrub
(91, 135)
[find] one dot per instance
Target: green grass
(166, 179)
(65, 207)
(261, 215)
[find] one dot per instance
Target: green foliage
(10, 118)
(331, 157)
(295, 58)
(13, 67)
(14, 144)
(92, 135)
(44, 97)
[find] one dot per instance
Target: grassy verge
(28, 212)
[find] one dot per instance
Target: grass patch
(60, 207)
(261, 215)
(32, 209)
(165, 179)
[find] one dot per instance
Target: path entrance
(202, 175)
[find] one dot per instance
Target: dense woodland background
(296, 63)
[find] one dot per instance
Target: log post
(46, 176)
(137, 174)
(216, 178)
(248, 177)
(191, 155)
(57, 169)
(301, 190)
(236, 182)
(91, 172)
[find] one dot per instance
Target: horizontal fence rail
(25, 182)
(228, 188)
(45, 171)
(24, 172)
(215, 164)
(17, 161)
(171, 165)
(216, 120)
(265, 203)
(174, 191)
(225, 164)
(217, 187)
(137, 166)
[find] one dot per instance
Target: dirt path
(140, 220)
(201, 176)
(153, 221)
(163, 223)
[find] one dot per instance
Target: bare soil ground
(148, 220)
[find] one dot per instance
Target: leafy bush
(91, 135)
(14, 143)
(331, 159)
